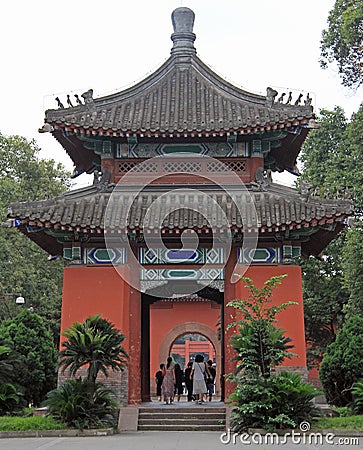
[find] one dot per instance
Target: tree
(324, 298)
(95, 344)
(6, 366)
(33, 347)
(265, 400)
(333, 285)
(342, 41)
(342, 363)
(260, 345)
(24, 268)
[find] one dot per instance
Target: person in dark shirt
(188, 381)
(210, 379)
(179, 376)
(159, 376)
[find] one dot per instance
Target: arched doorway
(165, 319)
(187, 346)
(188, 328)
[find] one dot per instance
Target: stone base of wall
(116, 381)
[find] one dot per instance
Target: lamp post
(20, 300)
(8, 310)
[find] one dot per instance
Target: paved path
(153, 440)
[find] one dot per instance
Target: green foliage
(24, 268)
(333, 286)
(324, 298)
(342, 363)
(281, 401)
(72, 404)
(11, 399)
(95, 343)
(6, 364)
(34, 352)
(343, 411)
(8, 423)
(339, 423)
(357, 392)
(342, 41)
(353, 269)
(260, 345)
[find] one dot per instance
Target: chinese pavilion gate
(182, 200)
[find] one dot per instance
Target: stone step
(181, 422)
(176, 418)
(216, 416)
(184, 427)
(193, 409)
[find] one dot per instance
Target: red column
(229, 314)
(135, 363)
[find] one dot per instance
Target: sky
(52, 49)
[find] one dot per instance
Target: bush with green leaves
(342, 363)
(265, 400)
(72, 404)
(95, 344)
(357, 392)
(11, 399)
(281, 401)
(34, 353)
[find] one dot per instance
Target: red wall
(95, 290)
(100, 290)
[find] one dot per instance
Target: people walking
(167, 386)
(189, 381)
(159, 376)
(199, 369)
(210, 379)
(179, 375)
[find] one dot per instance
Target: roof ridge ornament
(183, 37)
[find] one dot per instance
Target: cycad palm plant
(95, 343)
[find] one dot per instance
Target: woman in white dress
(198, 376)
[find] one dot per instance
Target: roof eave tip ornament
(46, 128)
(183, 37)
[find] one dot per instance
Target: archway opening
(187, 346)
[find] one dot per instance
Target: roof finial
(183, 36)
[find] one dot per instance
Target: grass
(339, 423)
(8, 423)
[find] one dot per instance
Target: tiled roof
(184, 96)
(179, 98)
(277, 209)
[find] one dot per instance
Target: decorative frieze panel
(95, 255)
(104, 256)
(181, 274)
(140, 150)
(260, 255)
(269, 255)
(181, 256)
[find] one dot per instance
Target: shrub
(34, 354)
(11, 399)
(342, 363)
(281, 401)
(72, 405)
(357, 392)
